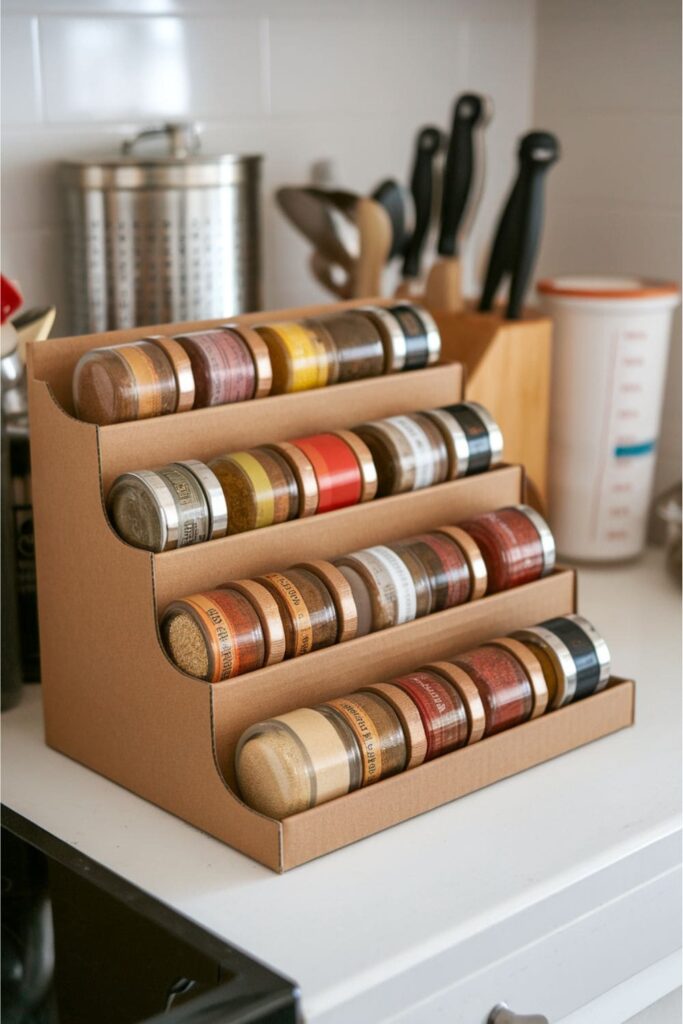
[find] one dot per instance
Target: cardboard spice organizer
(116, 703)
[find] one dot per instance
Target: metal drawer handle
(502, 1014)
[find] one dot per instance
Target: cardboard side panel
(111, 699)
(333, 671)
(187, 570)
(205, 433)
(370, 810)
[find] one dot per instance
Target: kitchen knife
(515, 246)
(422, 187)
(470, 114)
(397, 201)
(311, 213)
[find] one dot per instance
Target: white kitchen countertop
(353, 927)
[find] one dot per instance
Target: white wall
(297, 80)
(608, 78)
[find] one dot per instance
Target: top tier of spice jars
(159, 375)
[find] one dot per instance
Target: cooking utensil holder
(113, 700)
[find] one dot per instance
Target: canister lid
(181, 166)
(598, 287)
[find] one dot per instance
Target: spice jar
(361, 598)
(447, 569)
(214, 635)
(441, 708)
(304, 474)
(533, 669)
(171, 507)
(422, 338)
(259, 354)
(307, 608)
(588, 651)
(555, 660)
(342, 595)
(473, 438)
(409, 717)
(503, 686)
(132, 382)
(516, 544)
(357, 342)
(469, 694)
(295, 761)
(342, 479)
(378, 733)
(298, 355)
(259, 486)
(408, 451)
(222, 364)
(389, 584)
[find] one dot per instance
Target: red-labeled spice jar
(337, 470)
(441, 707)
(503, 685)
(516, 544)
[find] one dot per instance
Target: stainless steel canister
(161, 238)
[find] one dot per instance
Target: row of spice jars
(234, 363)
(277, 482)
(245, 625)
(306, 757)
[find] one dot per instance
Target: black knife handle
(517, 235)
(421, 186)
(468, 112)
(539, 151)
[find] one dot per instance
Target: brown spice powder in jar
(222, 366)
(182, 370)
(268, 611)
(421, 581)
(358, 343)
(361, 597)
(341, 593)
(260, 488)
(214, 635)
(143, 511)
(326, 345)
(306, 480)
(409, 717)
(124, 382)
(378, 731)
(307, 609)
(392, 455)
(447, 568)
(259, 354)
(503, 685)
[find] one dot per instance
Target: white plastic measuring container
(611, 340)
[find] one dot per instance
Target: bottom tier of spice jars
(306, 757)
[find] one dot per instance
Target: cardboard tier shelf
(115, 702)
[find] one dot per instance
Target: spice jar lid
(260, 355)
(409, 717)
(119, 383)
(342, 595)
(143, 510)
(182, 369)
(303, 470)
(545, 533)
(459, 679)
(365, 461)
(533, 669)
(473, 556)
(266, 608)
(563, 687)
(393, 338)
(601, 648)
(456, 441)
(218, 509)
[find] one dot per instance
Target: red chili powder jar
(503, 685)
(441, 708)
(516, 544)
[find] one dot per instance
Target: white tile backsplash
(20, 67)
(112, 69)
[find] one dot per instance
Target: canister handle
(182, 137)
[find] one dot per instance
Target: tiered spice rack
(114, 701)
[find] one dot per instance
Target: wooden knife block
(507, 369)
